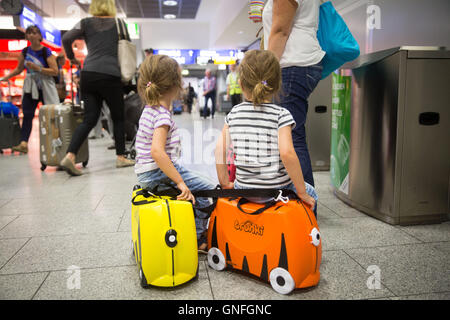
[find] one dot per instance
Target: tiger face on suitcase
(280, 245)
(164, 239)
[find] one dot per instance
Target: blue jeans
(309, 190)
(194, 182)
(212, 96)
(298, 83)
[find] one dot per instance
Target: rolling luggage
(277, 241)
(57, 123)
(9, 124)
(164, 239)
(9, 127)
(133, 110)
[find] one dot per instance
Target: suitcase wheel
(43, 166)
(281, 281)
(216, 260)
(133, 154)
(315, 237)
(144, 283)
(85, 163)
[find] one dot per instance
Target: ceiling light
(84, 1)
(170, 3)
(170, 16)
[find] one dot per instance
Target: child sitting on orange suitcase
(261, 134)
(158, 143)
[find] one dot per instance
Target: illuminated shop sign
(191, 56)
(28, 18)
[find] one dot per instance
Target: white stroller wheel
(216, 260)
(281, 281)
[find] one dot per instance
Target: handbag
(126, 53)
(335, 39)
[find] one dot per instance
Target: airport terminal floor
(54, 226)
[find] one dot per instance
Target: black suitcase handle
(243, 201)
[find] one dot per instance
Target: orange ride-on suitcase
(278, 242)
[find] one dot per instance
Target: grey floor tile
(360, 233)
(60, 252)
(20, 286)
(50, 203)
(444, 247)
(341, 209)
(408, 269)
(5, 220)
(341, 278)
(63, 223)
(323, 212)
(5, 200)
(8, 248)
(429, 233)
(125, 224)
(427, 296)
(117, 283)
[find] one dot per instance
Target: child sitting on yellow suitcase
(261, 134)
(158, 142)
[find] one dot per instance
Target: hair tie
(264, 82)
(149, 84)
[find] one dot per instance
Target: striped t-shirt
(152, 118)
(254, 134)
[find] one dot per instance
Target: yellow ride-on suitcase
(164, 239)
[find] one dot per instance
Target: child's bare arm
(221, 159)
(292, 164)
(163, 161)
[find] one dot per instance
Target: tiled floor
(53, 227)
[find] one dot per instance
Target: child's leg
(150, 179)
(309, 190)
(194, 182)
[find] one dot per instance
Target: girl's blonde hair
(260, 75)
(103, 8)
(158, 75)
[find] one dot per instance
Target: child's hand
(308, 200)
(229, 185)
(185, 193)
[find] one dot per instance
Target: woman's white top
(302, 47)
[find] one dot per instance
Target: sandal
(202, 244)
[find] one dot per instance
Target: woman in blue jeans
(290, 31)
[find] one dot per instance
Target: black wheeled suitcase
(9, 125)
(9, 130)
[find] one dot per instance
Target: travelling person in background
(190, 96)
(233, 88)
(39, 84)
(209, 92)
(290, 31)
(148, 52)
(100, 79)
(158, 143)
(261, 133)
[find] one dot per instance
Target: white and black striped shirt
(254, 134)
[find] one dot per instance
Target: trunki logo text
(249, 227)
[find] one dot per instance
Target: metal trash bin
(318, 125)
(399, 163)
